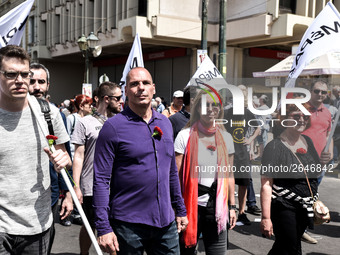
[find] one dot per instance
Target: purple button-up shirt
(135, 174)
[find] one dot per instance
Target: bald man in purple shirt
(136, 193)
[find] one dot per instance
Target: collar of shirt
(131, 115)
(185, 113)
(314, 109)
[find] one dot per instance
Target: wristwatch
(232, 207)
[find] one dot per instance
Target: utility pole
(222, 57)
(204, 44)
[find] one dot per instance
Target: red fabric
(190, 190)
(321, 121)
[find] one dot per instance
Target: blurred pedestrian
(176, 105)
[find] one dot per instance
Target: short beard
(36, 93)
(113, 110)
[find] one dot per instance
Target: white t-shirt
(207, 159)
(25, 204)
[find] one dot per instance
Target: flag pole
(68, 184)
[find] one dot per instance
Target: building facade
(259, 34)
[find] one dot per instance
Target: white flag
(321, 37)
(207, 77)
(12, 24)
(206, 72)
(135, 59)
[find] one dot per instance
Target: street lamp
(88, 47)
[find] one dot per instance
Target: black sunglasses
(116, 97)
(297, 116)
(317, 91)
(40, 81)
(12, 75)
(213, 105)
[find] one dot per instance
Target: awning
(325, 64)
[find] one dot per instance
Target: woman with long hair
(286, 195)
(204, 157)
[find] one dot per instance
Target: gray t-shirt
(86, 133)
(25, 194)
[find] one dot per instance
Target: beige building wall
(55, 26)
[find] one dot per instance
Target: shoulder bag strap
(73, 124)
(304, 169)
(45, 109)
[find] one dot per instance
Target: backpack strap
(73, 124)
(45, 109)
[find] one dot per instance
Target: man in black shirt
(181, 118)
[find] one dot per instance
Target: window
(142, 7)
(287, 6)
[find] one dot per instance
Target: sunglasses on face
(116, 97)
(317, 91)
(40, 81)
(298, 116)
(12, 75)
(213, 106)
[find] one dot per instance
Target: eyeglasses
(215, 107)
(116, 97)
(40, 81)
(317, 91)
(298, 116)
(13, 75)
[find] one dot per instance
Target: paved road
(246, 240)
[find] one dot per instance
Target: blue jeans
(263, 137)
(134, 238)
(251, 199)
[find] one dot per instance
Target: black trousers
(214, 243)
(289, 224)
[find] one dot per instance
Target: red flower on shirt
(211, 147)
(301, 151)
(157, 132)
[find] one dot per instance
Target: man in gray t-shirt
(84, 138)
(25, 204)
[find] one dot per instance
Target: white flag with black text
(135, 59)
(12, 24)
(321, 37)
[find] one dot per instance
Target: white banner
(201, 54)
(206, 72)
(87, 89)
(12, 24)
(135, 59)
(208, 77)
(321, 37)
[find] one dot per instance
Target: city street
(246, 240)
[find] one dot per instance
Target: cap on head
(178, 93)
(264, 99)
(66, 103)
